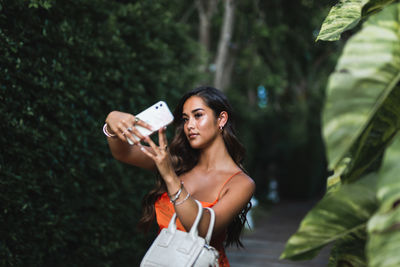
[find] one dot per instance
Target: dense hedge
(64, 65)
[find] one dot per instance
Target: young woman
(203, 162)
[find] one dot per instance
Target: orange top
(165, 210)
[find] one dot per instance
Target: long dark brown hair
(184, 157)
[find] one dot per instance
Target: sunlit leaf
(343, 16)
(337, 215)
(361, 118)
(346, 15)
(362, 113)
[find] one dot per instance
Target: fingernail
(165, 127)
(130, 141)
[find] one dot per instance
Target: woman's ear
(222, 119)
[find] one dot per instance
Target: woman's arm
(238, 193)
(122, 126)
(236, 196)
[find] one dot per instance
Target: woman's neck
(215, 156)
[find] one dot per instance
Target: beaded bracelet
(180, 202)
(106, 132)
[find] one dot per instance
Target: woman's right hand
(123, 125)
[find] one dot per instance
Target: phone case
(158, 116)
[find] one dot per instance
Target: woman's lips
(193, 135)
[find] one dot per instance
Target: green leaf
(384, 227)
(375, 6)
(383, 249)
(337, 215)
(350, 250)
(346, 15)
(389, 183)
(361, 113)
(343, 16)
(46, 4)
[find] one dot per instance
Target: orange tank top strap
(222, 187)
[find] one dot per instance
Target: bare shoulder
(240, 184)
(242, 180)
(236, 194)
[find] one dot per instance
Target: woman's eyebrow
(193, 111)
(197, 109)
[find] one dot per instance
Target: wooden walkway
(265, 243)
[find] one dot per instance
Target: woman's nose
(190, 123)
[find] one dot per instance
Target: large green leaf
(349, 250)
(343, 16)
(361, 113)
(375, 6)
(370, 145)
(384, 227)
(389, 182)
(337, 215)
(383, 249)
(346, 15)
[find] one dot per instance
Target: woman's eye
(184, 120)
(198, 115)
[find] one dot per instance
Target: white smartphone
(157, 116)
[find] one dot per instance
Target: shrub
(65, 64)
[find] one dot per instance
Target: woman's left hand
(161, 156)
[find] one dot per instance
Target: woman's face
(200, 125)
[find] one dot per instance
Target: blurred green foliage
(64, 65)
(273, 45)
(359, 214)
(276, 48)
